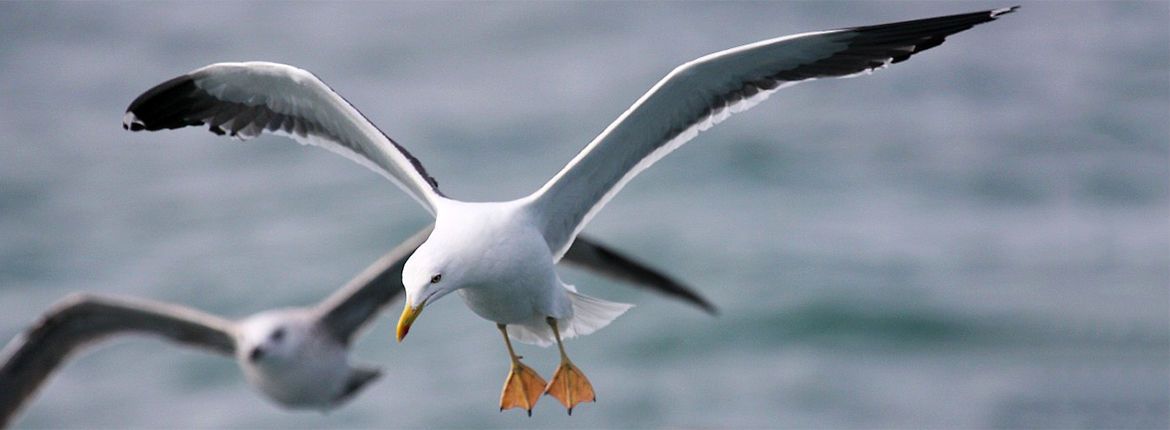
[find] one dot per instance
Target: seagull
(297, 357)
(501, 256)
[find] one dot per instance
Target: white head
(427, 276)
(272, 338)
(285, 355)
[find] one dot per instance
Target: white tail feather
(589, 315)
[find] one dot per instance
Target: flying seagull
(297, 357)
(501, 256)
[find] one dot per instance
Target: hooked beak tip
(402, 333)
(408, 316)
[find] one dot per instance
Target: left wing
(703, 92)
(244, 100)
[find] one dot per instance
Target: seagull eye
(435, 279)
(278, 334)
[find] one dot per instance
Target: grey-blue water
(979, 237)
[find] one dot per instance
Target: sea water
(978, 237)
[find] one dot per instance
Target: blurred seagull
(500, 256)
(298, 357)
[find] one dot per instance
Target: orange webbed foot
(570, 386)
(522, 388)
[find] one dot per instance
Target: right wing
(244, 100)
(81, 319)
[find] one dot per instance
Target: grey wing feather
(590, 255)
(349, 309)
(80, 320)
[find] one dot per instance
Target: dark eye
(278, 334)
(435, 279)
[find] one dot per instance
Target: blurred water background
(979, 237)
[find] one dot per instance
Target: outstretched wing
(349, 309)
(703, 92)
(244, 100)
(81, 319)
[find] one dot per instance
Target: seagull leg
(569, 384)
(523, 386)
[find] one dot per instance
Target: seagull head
(427, 277)
(288, 356)
(271, 338)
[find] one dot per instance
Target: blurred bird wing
(79, 320)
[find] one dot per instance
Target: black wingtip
(164, 106)
(710, 308)
(701, 302)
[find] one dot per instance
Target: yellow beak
(407, 318)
